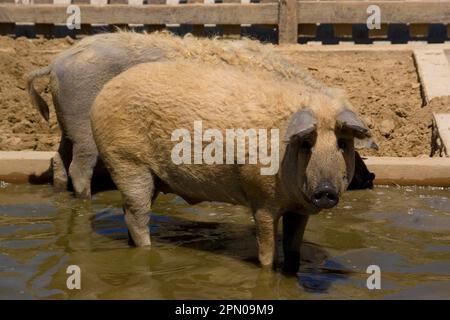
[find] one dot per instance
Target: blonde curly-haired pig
(135, 115)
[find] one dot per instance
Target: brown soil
(385, 89)
(21, 126)
(383, 86)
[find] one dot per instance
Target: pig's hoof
(84, 194)
(59, 183)
(142, 242)
(266, 263)
(60, 179)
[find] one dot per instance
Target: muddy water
(208, 251)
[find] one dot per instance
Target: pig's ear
(366, 143)
(301, 124)
(348, 120)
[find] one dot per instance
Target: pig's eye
(342, 144)
(306, 145)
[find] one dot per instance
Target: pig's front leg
(266, 234)
(293, 229)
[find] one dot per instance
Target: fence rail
(287, 15)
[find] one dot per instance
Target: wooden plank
(44, 29)
(391, 11)
(210, 2)
(172, 2)
(288, 22)
(197, 30)
(233, 30)
(131, 3)
(154, 27)
(86, 29)
(227, 13)
(100, 27)
(308, 12)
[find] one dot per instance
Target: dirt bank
(21, 126)
(383, 86)
(385, 89)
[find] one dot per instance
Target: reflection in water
(209, 250)
(318, 280)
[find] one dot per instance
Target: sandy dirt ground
(21, 126)
(383, 86)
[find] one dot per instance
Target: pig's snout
(325, 196)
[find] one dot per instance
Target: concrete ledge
(26, 166)
(35, 167)
(434, 72)
(410, 171)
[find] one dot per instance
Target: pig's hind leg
(60, 164)
(81, 170)
(136, 184)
